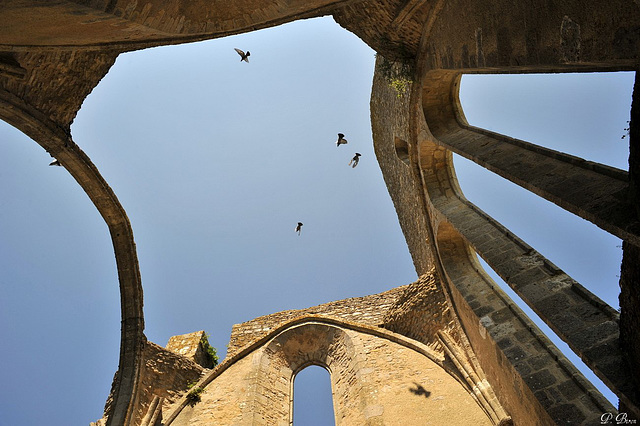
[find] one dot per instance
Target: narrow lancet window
(312, 398)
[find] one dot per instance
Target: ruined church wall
(166, 375)
(534, 35)
(418, 311)
(389, 124)
(530, 380)
(410, 388)
(374, 381)
(367, 310)
(225, 400)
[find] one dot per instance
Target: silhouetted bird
(341, 140)
(55, 163)
(354, 161)
(243, 56)
(299, 227)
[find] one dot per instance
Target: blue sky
(215, 161)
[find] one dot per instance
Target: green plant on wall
(210, 351)
(399, 75)
(195, 394)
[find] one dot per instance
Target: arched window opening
(585, 252)
(562, 346)
(582, 114)
(313, 398)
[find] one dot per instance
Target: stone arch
(297, 347)
(310, 364)
(456, 230)
(508, 255)
(375, 376)
(58, 142)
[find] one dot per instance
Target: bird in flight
(354, 161)
(299, 227)
(243, 56)
(341, 140)
(55, 163)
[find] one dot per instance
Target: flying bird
(354, 161)
(341, 140)
(243, 56)
(55, 163)
(299, 227)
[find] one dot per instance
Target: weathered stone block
(192, 346)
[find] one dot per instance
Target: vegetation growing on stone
(210, 351)
(194, 394)
(399, 75)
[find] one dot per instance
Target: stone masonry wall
(57, 82)
(418, 311)
(375, 381)
(191, 346)
(630, 270)
(390, 122)
(165, 374)
(421, 311)
(367, 310)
